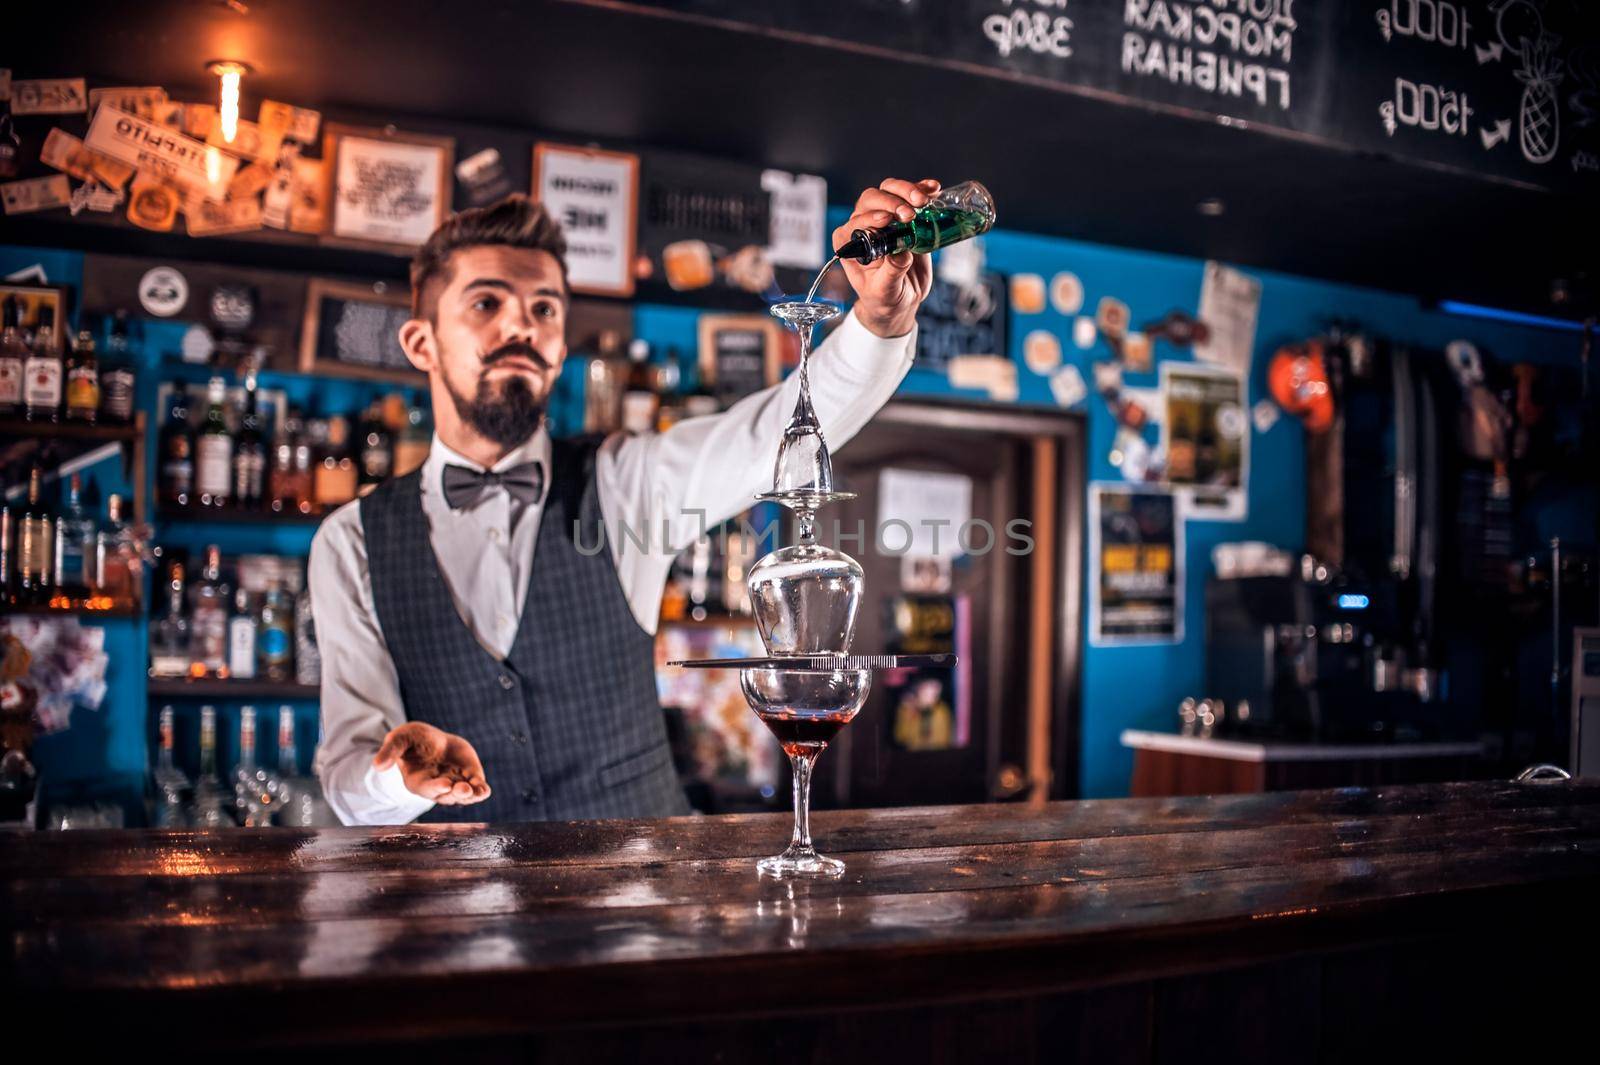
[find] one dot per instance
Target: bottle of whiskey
(334, 479)
(116, 374)
(41, 380)
(250, 452)
(175, 485)
(74, 548)
(35, 545)
(83, 380)
(214, 449)
(169, 637)
(13, 359)
(640, 400)
(118, 561)
(208, 621)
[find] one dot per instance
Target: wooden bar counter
(1326, 926)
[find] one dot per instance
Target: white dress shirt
(652, 483)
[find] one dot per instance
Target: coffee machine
(1343, 650)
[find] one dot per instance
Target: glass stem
(802, 764)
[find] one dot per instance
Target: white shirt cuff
(863, 355)
(389, 786)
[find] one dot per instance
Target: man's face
(496, 340)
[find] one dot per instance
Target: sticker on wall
(1041, 351)
(1108, 378)
(926, 575)
(1084, 332)
(1136, 354)
(1229, 302)
(152, 205)
(989, 373)
(1027, 293)
(197, 345)
(1067, 386)
(1066, 293)
(1130, 453)
(1111, 318)
(163, 291)
(1264, 414)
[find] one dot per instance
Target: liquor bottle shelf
(212, 688)
(230, 516)
(87, 611)
(20, 428)
(715, 620)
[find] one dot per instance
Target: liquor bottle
(175, 485)
(334, 478)
(377, 450)
(13, 359)
(74, 547)
(242, 637)
(640, 400)
(412, 444)
(211, 806)
(289, 480)
(169, 784)
(301, 804)
(35, 545)
(213, 468)
(250, 452)
(169, 637)
(951, 215)
(7, 593)
(41, 373)
(118, 567)
(604, 378)
(275, 638)
(669, 384)
(83, 380)
(208, 620)
(252, 799)
(116, 374)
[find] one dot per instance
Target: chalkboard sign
(962, 320)
(353, 330)
(1503, 88)
(738, 354)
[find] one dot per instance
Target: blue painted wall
(1122, 687)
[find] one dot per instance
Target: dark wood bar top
(454, 931)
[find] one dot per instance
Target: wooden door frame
(1069, 431)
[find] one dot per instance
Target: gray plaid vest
(568, 726)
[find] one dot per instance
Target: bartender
(482, 658)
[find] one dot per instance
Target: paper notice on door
(921, 513)
(1229, 302)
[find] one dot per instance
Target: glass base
(800, 862)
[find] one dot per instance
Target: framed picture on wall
(738, 354)
(31, 299)
(593, 194)
(353, 330)
(385, 190)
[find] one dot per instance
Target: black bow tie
(462, 486)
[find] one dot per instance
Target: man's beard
(508, 415)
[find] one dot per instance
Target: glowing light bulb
(230, 73)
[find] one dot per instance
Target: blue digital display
(1353, 602)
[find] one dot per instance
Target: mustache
(516, 349)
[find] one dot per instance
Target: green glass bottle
(953, 214)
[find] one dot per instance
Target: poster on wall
(1205, 436)
(932, 706)
(388, 189)
(1229, 301)
(1135, 566)
(593, 194)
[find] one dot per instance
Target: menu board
(961, 320)
(353, 330)
(1502, 88)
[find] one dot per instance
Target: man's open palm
(435, 764)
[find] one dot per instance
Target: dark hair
(516, 221)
